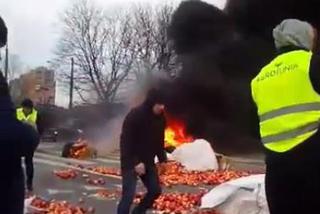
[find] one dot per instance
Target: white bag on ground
(169, 157)
(198, 155)
(241, 196)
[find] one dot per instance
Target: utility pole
(71, 84)
(6, 65)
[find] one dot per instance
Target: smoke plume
(220, 52)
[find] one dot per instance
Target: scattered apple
(66, 174)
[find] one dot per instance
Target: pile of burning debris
(79, 149)
(175, 133)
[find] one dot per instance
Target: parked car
(50, 135)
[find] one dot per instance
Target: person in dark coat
(17, 140)
(142, 139)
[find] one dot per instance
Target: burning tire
(66, 150)
(78, 150)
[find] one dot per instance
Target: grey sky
(33, 29)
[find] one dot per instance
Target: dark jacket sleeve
(315, 72)
(254, 120)
(161, 153)
(30, 140)
(128, 144)
(40, 125)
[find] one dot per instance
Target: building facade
(39, 85)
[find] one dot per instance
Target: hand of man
(140, 169)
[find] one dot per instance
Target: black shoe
(137, 211)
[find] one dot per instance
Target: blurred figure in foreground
(286, 93)
(17, 140)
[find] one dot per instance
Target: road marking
(113, 157)
(57, 191)
(69, 160)
(107, 160)
(91, 188)
(65, 165)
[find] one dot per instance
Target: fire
(175, 132)
(82, 150)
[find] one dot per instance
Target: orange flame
(175, 133)
(80, 150)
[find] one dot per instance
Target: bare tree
(100, 47)
(154, 52)
(15, 66)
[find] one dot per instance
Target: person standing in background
(30, 116)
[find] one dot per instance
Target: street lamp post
(6, 68)
(71, 85)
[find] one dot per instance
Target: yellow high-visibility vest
(31, 119)
(288, 106)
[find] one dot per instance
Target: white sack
(198, 156)
(241, 196)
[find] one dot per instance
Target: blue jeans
(129, 182)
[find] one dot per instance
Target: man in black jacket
(17, 140)
(142, 139)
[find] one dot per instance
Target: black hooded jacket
(142, 137)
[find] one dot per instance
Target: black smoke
(220, 52)
(3, 33)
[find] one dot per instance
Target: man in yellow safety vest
(29, 115)
(287, 95)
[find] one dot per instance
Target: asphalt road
(47, 185)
